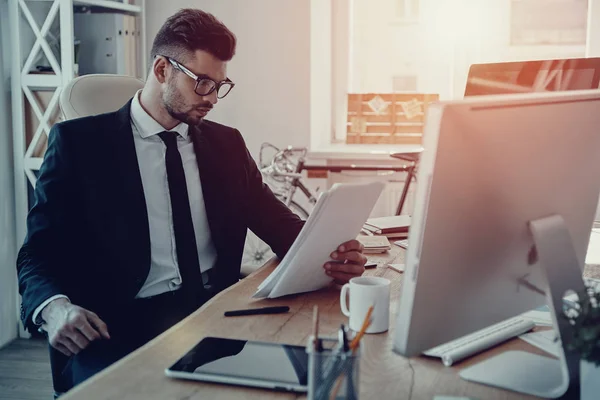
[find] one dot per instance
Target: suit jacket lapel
(134, 200)
(211, 191)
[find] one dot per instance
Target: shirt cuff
(37, 317)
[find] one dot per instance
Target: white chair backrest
(97, 94)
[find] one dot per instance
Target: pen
(342, 342)
(345, 345)
(258, 311)
(316, 328)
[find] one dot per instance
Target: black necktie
(185, 239)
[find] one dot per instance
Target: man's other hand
(71, 328)
(349, 262)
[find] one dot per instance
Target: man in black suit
(140, 215)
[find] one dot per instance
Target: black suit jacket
(88, 235)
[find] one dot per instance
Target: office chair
(97, 94)
(85, 96)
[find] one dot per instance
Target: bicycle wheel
(257, 252)
(298, 210)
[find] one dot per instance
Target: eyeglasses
(204, 84)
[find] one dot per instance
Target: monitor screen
(489, 169)
(533, 76)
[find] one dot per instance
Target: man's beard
(175, 106)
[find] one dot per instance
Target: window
(407, 11)
(404, 83)
(548, 22)
(425, 47)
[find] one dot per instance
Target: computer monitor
(533, 76)
(491, 165)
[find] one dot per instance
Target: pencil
(363, 328)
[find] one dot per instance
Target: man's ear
(159, 69)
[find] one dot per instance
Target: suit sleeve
(268, 217)
(38, 262)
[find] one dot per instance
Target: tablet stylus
(258, 311)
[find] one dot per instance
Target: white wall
(271, 69)
(8, 289)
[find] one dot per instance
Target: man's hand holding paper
(349, 262)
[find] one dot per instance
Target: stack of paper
(337, 218)
(396, 224)
(374, 244)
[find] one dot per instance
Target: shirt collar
(148, 126)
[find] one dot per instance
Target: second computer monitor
(491, 165)
(533, 76)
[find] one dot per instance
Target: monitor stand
(530, 373)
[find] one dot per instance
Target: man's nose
(212, 98)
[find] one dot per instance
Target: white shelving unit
(24, 83)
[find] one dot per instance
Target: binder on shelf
(130, 48)
(135, 39)
(108, 44)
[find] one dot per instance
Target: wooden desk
(383, 374)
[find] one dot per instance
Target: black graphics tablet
(248, 363)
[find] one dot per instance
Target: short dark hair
(190, 30)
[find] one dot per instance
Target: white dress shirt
(164, 273)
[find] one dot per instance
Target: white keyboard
(483, 339)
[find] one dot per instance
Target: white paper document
(337, 217)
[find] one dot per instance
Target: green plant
(584, 318)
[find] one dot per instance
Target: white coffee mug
(367, 291)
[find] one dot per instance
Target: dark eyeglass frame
(199, 78)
